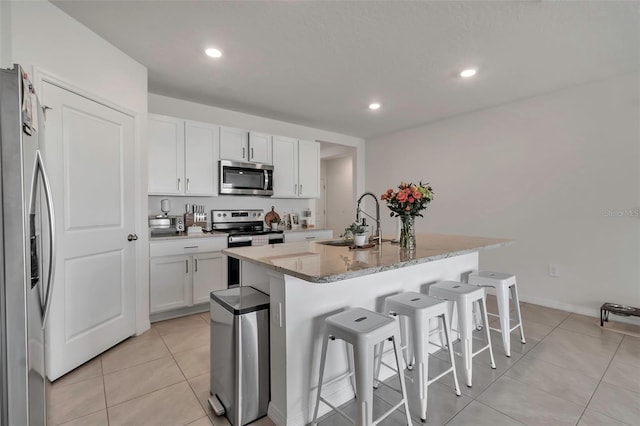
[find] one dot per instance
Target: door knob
(132, 237)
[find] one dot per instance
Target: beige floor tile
(194, 362)
(629, 351)
(623, 375)
(529, 405)
(542, 314)
(88, 370)
(134, 351)
(265, 421)
(179, 324)
(593, 418)
(476, 414)
(206, 316)
(559, 381)
(173, 405)
(576, 351)
(133, 382)
(95, 419)
(187, 339)
(616, 402)
(203, 421)
(533, 331)
(75, 400)
(589, 326)
(200, 386)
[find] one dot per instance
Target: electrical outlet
(554, 270)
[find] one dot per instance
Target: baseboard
(276, 415)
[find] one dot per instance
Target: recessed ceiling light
(374, 106)
(214, 53)
(468, 73)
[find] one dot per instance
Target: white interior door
(89, 152)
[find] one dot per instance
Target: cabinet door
(285, 167)
(166, 155)
(308, 169)
(233, 144)
(208, 275)
(201, 158)
(259, 147)
(170, 283)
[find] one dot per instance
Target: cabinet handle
(190, 247)
(243, 150)
(186, 262)
(196, 260)
(188, 184)
(310, 238)
(252, 153)
(300, 189)
(178, 184)
(295, 188)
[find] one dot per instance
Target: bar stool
(504, 284)
(464, 296)
(363, 329)
(419, 309)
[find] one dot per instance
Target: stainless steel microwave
(238, 178)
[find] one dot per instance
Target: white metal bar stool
(504, 284)
(419, 309)
(464, 296)
(363, 329)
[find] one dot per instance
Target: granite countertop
(318, 263)
(306, 229)
(184, 235)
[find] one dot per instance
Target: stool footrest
(391, 410)
(484, 348)
(338, 410)
(336, 379)
(441, 375)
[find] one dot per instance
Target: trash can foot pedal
(216, 405)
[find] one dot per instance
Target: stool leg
(420, 337)
(502, 294)
(323, 358)
(350, 358)
(446, 325)
(379, 348)
(516, 305)
(364, 384)
(483, 307)
(403, 386)
(465, 318)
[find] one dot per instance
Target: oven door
(233, 264)
(245, 178)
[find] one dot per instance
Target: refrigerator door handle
(39, 169)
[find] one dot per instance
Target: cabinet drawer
(187, 246)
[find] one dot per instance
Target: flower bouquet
(407, 203)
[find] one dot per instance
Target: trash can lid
(241, 300)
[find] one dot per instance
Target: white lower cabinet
(309, 235)
(184, 272)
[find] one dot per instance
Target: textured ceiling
(321, 63)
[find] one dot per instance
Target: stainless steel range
(245, 228)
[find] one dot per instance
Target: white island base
(298, 311)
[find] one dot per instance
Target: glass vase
(407, 232)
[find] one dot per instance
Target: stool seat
(504, 284)
(363, 330)
(418, 309)
(464, 296)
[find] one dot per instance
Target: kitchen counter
(309, 281)
(319, 263)
(184, 235)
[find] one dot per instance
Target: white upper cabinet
(183, 157)
(285, 167)
(308, 169)
(296, 168)
(166, 155)
(242, 145)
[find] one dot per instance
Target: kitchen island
(309, 281)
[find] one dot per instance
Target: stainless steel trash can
(240, 353)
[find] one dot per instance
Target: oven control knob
(224, 214)
(218, 215)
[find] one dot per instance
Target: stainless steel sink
(343, 243)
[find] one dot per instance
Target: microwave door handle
(266, 180)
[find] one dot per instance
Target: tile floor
(570, 372)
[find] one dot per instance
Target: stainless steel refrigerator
(27, 252)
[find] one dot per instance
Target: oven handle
(240, 239)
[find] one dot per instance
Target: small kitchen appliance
(238, 178)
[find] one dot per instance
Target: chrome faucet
(378, 234)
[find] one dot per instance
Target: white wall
(341, 207)
(5, 34)
(557, 173)
(193, 111)
(44, 37)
